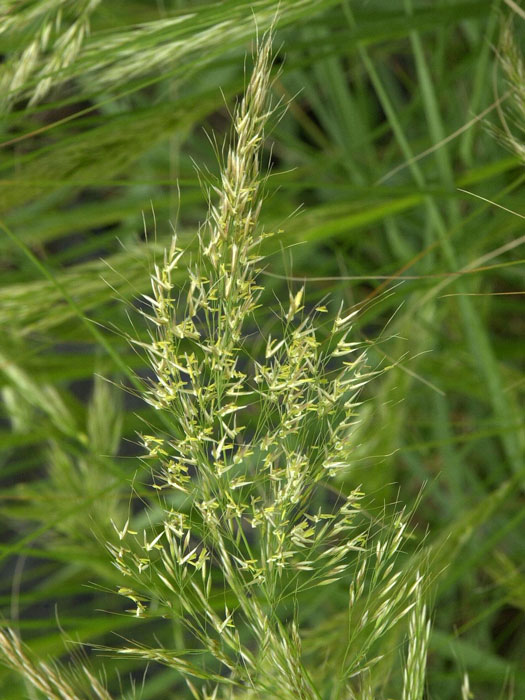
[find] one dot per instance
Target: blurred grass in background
(386, 127)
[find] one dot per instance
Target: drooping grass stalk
(43, 19)
(49, 57)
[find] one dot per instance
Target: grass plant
(280, 453)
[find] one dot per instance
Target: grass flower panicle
(253, 439)
(260, 543)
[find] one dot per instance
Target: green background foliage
(369, 166)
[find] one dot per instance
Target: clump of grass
(251, 444)
(249, 522)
